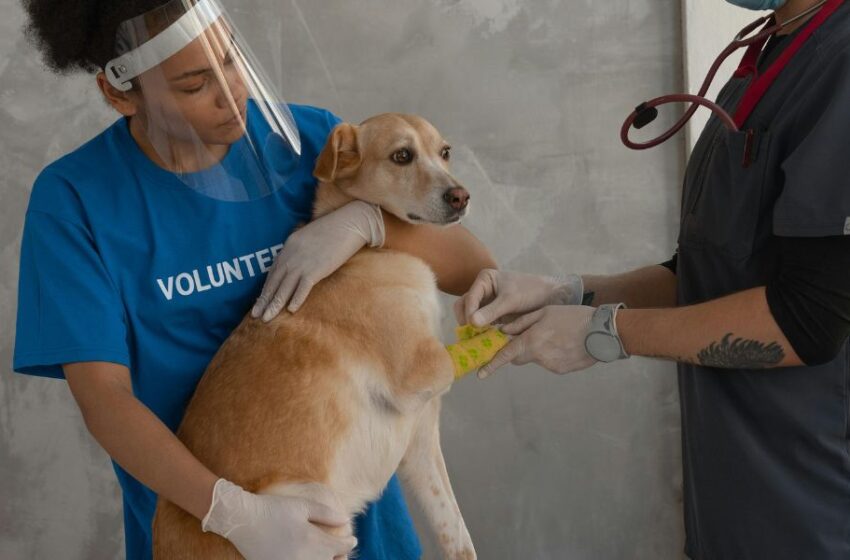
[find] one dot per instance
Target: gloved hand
(505, 294)
(552, 337)
(265, 527)
(314, 252)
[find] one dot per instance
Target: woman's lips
(232, 122)
(235, 120)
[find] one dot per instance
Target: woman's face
(198, 94)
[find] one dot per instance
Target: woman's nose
(231, 90)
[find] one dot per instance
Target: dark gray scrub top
(767, 452)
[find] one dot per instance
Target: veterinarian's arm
(651, 286)
(735, 331)
(137, 440)
(500, 296)
(453, 253)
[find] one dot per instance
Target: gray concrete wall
(532, 94)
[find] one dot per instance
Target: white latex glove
(314, 252)
(264, 527)
(552, 337)
(498, 296)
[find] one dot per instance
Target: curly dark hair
(79, 34)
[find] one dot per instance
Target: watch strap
(604, 322)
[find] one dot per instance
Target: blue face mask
(758, 4)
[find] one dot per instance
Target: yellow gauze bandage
(475, 347)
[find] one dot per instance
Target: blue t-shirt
(122, 262)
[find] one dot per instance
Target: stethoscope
(647, 112)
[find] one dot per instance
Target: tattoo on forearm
(587, 298)
(741, 353)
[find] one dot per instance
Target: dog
(329, 402)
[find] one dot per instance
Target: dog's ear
(340, 157)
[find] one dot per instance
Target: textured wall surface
(532, 94)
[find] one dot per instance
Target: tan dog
(328, 403)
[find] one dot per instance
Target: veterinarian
(146, 246)
(754, 307)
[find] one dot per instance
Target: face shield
(205, 110)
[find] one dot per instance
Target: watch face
(602, 347)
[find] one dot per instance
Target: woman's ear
(340, 157)
(119, 100)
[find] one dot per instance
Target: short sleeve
(314, 125)
(815, 199)
(333, 120)
(68, 308)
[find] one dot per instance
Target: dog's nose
(457, 198)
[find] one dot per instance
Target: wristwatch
(602, 341)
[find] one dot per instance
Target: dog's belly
(364, 459)
(329, 395)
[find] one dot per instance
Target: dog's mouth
(454, 218)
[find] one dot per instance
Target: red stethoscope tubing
(742, 39)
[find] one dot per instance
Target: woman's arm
(453, 253)
(136, 439)
(319, 248)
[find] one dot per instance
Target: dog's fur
(328, 403)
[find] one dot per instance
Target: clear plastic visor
(203, 109)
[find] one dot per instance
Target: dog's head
(399, 162)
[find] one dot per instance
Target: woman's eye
(446, 154)
(402, 156)
(194, 90)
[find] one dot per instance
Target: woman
(761, 281)
(143, 248)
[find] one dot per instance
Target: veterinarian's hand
(314, 252)
(265, 527)
(498, 296)
(552, 337)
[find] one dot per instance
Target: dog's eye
(446, 153)
(402, 156)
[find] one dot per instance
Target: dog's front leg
(423, 472)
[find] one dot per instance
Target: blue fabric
(122, 263)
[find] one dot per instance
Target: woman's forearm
(736, 331)
(136, 439)
(453, 253)
(651, 286)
